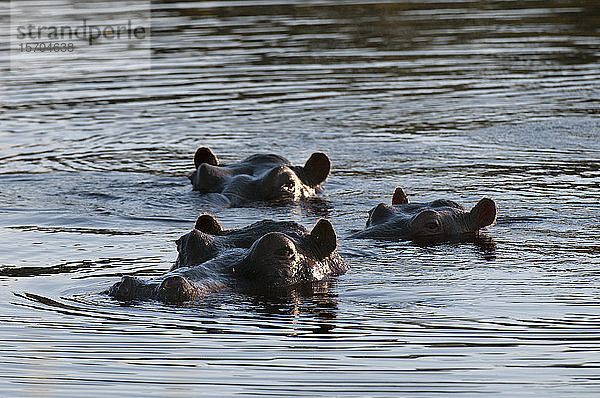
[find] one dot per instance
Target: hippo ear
(324, 238)
(208, 224)
(399, 197)
(205, 155)
(484, 213)
(379, 214)
(316, 168)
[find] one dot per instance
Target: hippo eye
(431, 225)
(285, 252)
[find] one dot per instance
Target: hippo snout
(126, 289)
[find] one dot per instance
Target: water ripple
(448, 99)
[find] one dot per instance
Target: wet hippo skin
(266, 256)
(434, 221)
(262, 177)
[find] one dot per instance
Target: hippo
(439, 220)
(267, 256)
(262, 177)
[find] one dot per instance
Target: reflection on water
(456, 100)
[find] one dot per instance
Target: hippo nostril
(127, 283)
(115, 289)
(126, 288)
(175, 289)
(284, 272)
(173, 282)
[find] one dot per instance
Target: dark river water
(448, 99)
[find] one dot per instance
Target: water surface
(449, 99)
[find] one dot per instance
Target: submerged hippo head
(264, 255)
(432, 221)
(277, 260)
(259, 177)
